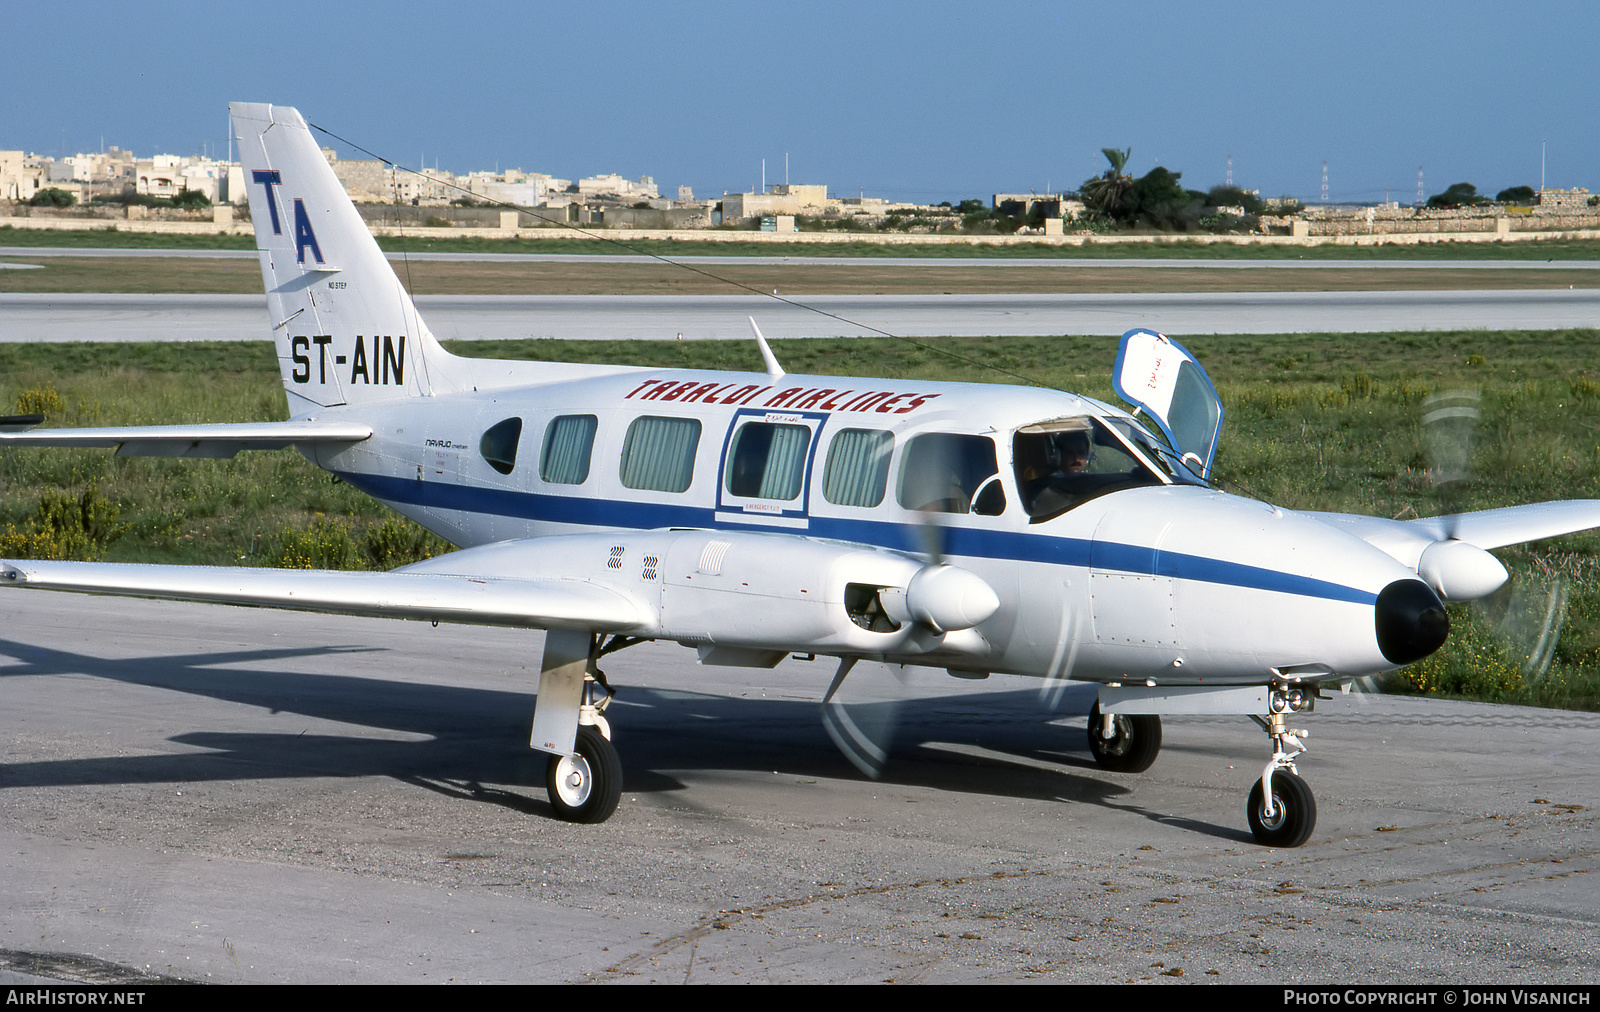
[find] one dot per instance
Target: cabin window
(1064, 463)
(947, 473)
(568, 445)
(768, 461)
(658, 453)
(858, 467)
(499, 444)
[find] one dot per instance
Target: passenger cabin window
(658, 453)
(858, 467)
(768, 461)
(949, 473)
(499, 444)
(568, 446)
(1064, 463)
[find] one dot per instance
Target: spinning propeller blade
(1527, 613)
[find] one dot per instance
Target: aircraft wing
(1511, 525)
(218, 440)
(529, 603)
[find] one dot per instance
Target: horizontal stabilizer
(537, 604)
(219, 440)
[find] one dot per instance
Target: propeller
(1520, 616)
(938, 599)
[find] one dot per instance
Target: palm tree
(1104, 193)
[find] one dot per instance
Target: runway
(233, 795)
(32, 317)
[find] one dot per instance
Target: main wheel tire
(585, 786)
(1294, 812)
(1134, 746)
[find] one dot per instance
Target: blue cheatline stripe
(958, 541)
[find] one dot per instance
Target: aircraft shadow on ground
(470, 742)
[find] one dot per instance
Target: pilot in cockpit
(1070, 451)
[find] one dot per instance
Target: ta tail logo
(385, 365)
(304, 237)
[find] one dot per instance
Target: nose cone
(1411, 621)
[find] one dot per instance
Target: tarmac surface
(134, 317)
(234, 795)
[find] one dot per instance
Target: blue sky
(922, 101)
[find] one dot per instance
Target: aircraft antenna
(1228, 179)
(1420, 197)
(773, 368)
(1324, 180)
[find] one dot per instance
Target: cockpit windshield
(1063, 463)
(1181, 469)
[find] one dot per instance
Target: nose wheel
(1292, 816)
(1281, 809)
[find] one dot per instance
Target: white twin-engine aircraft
(973, 527)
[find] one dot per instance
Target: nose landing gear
(1281, 810)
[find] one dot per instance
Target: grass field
(429, 277)
(110, 236)
(1314, 422)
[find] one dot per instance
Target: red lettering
(833, 402)
(779, 400)
(678, 391)
(641, 386)
(916, 402)
(886, 405)
(811, 398)
(700, 392)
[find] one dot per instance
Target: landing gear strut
(1281, 809)
(584, 780)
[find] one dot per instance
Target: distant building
(1053, 205)
(22, 175)
(780, 198)
(613, 185)
(1563, 201)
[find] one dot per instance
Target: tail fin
(346, 331)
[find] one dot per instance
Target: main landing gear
(1124, 743)
(585, 786)
(584, 775)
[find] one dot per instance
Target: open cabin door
(1158, 375)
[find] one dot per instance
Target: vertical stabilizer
(346, 332)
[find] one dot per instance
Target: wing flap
(538, 604)
(216, 440)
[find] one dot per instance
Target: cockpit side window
(943, 472)
(1064, 463)
(498, 447)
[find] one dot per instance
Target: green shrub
(43, 399)
(65, 527)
